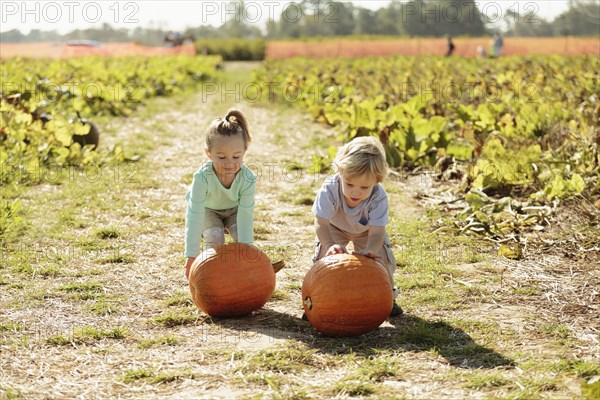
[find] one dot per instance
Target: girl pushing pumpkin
(221, 197)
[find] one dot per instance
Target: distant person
(175, 39)
(451, 46)
(481, 51)
(170, 39)
(497, 44)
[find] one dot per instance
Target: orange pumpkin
(347, 295)
(234, 280)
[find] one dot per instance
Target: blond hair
(362, 155)
(234, 123)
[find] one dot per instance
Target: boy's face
(357, 188)
(227, 155)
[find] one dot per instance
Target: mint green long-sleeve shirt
(206, 191)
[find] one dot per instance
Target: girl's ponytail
(234, 123)
(235, 116)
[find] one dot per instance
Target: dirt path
(120, 324)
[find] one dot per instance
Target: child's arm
(245, 214)
(194, 218)
(374, 242)
(378, 219)
(324, 235)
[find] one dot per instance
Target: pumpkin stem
(308, 302)
(278, 266)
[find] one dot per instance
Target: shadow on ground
(408, 333)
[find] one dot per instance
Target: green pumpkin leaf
(399, 137)
(62, 153)
(414, 105)
(421, 128)
(477, 199)
(412, 154)
(513, 254)
(63, 135)
(576, 184)
(460, 149)
(22, 118)
(437, 124)
(556, 188)
(363, 116)
(80, 129)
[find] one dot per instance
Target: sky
(65, 16)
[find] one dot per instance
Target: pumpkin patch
(346, 295)
(234, 280)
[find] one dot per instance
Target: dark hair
(233, 124)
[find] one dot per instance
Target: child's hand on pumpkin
(188, 265)
(335, 249)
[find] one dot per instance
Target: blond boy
(352, 206)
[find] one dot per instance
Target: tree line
(326, 18)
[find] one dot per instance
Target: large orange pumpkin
(347, 295)
(234, 280)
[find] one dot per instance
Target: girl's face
(357, 188)
(227, 155)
